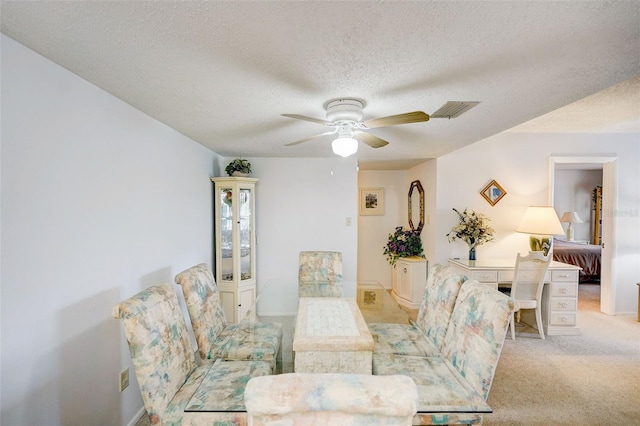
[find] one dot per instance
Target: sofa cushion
(401, 339)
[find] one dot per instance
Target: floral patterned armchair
(248, 340)
(425, 337)
(166, 368)
(453, 387)
(320, 274)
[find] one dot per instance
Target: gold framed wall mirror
(416, 206)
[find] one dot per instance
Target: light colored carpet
(590, 379)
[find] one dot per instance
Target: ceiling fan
(344, 117)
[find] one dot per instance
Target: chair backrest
(320, 273)
(331, 399)
(528, 276)
(159, 344)
(203, 302)
(440, 293)
(476, 333)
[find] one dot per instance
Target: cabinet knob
(563, 290)
(564, 304)
(563, 319)
(404, 270)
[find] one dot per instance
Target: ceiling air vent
(453, 109)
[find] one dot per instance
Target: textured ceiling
(223, 72)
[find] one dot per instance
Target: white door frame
(609, 205)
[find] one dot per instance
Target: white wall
(520, 164)
(302, 204)
(98, 202)
(373, 231)
(573, 191)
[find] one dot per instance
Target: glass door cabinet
(235, 242)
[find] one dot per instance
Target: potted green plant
(403, 243)
(238, 167)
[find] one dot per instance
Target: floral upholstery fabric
(474, 340)
(165, 365)
(320, 289)
(204, 304)
(320, 274)
(331, 399)
(441, 291)
(249, 340)
(401, 339)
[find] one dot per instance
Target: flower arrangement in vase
(473, 229)
(403, 243)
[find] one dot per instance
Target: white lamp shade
(570, 217)
(344, 147)
(540, 220)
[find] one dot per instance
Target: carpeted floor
(590, 379)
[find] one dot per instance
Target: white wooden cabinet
(409, 280)
(559, 296)
(235, 244)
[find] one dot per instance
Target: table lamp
(570, 217)
(542, 223)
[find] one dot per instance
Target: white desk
(559, 297)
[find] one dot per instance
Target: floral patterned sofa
(331, 399)
(248, 340)
(175, 389)
(453, 384)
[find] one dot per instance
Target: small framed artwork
(371, 201)
(370, 298)
(493, 192)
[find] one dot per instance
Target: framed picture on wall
(371, 201)
(493, 192)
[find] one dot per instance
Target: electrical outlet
(124, 379)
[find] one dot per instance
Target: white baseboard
(138, 416)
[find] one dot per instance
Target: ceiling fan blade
(305, 118)
(372, 141)
(310, 138)
(392, 120)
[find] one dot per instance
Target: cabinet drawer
(561, 289)
(562, 304)
(484, 276)
(562, 319)
(566, 276)
(507, 276)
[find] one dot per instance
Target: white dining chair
(526, 288)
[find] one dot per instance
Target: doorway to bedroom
(587, 187)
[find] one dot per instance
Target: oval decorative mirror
(416, 206)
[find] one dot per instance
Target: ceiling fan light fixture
(344, 146)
